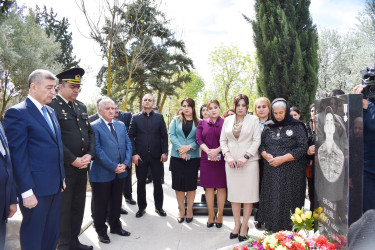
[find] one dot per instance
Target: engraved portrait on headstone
(331, 157)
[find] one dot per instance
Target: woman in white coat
(239, 141)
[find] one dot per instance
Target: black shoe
(188, 220)
(257, 224)
(180, 220)
(79, 246)
(140, 213)
(242, 238)
(233, 236)
(219, 225)
(210, 224)
(120, 232)
(123, 211)
(131, 201)
(103, 237)
(160, 212)
(148, 181)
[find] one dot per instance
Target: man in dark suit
(126, 117)
(109, 168)
(36, 151)
(79, 148)
(149, 137)
(8, 196)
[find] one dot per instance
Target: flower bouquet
(304, 219)
(284, 240)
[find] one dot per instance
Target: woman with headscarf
(283, 148)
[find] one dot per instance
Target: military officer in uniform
(79, 148)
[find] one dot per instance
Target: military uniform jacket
(77, 135)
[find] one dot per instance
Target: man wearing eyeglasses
(149, 137)
(79, 148)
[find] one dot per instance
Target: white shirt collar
(36, 103)
(106, 123)
(63, 98)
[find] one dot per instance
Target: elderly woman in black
(284, 146)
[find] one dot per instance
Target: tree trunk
(158, 99)
(109, 86)
(162, 102)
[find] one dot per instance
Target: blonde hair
(264, 100)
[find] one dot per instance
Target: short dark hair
(336, 92)
(201, 111)
(238, 98)
(295, 109)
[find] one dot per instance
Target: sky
(201, 24)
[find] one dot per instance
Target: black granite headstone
(339, 165)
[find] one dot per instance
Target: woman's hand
(267, 156)
(183, 156)
(241, 162)
(230, 160)
(184, 149)
(277, 161)
(311, 150)
(212, 154)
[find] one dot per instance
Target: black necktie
(71, 105)
(113, 130)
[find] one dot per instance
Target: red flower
(245, 248)
(331, 246)
(280, 236)
(298, 246)
(321, 240)
(235, 248)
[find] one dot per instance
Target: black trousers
(141, 172)
(128, 186)
(149, 175)
(72, 209)
(104, 194)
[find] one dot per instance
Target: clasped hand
(235, 164)
(212, 154)
(182, 150)
(120, 168)
(82, 162)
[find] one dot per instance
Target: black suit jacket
(126, 118)
(76, 133)
(93, 117)
(148, 134)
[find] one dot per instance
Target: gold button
(83, 139)
(80, 129)
(66, 118)
(77, 120)
(83, 149)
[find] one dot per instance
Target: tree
(286, 41)
(367, 20)
(58, 29)
(233, 72)
(104, 28)
(341, 57)
(24, 47)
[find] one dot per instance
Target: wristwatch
(246, 156)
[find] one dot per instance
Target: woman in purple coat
(212, 169)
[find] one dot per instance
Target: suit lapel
(245, 125)
(39, 117)
(4, 142)
(230, 124)
(191, 134)
(104, 127)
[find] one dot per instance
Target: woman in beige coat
(239, 141)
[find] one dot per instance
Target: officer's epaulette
(79, 102)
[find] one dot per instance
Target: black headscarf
(288, 119)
